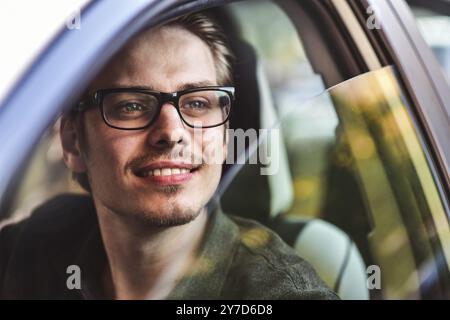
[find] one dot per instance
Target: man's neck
(146, 262)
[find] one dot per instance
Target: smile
(163, 172)
(166, 172)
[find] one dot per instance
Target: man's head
(128, 171)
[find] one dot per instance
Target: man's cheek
(214, 150)
(106, 165)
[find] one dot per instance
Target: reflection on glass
(356, 161)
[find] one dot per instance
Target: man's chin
(164, 221)
(163, 217)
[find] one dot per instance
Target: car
(347, 114)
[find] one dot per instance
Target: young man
(145, 231)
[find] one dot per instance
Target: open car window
(342, 174)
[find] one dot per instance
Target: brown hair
(204, 27)
(210, 32)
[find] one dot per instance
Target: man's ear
(70, 141)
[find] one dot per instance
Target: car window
(357, 162)
(349, 157)
(433, 21)
(355, 159)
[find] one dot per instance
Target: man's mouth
(166, 172)
(163, 172)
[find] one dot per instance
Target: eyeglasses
(134, 109)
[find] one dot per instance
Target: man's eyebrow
(194, 85)
(185, 86)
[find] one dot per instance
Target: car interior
(313, 202)
(266, 198)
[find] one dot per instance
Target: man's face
(168, 59)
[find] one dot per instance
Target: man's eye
(132, 107)
(196, 105)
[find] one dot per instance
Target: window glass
(353, 159)
(349, 156)
(378, 186)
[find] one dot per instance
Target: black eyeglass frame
(96, 99)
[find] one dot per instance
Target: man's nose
(168, 129)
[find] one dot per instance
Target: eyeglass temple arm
(92, 99)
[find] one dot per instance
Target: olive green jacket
(239, 259)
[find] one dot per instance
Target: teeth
(165, 172)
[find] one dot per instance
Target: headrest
(245, 191)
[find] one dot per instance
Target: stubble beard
(173, 216)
